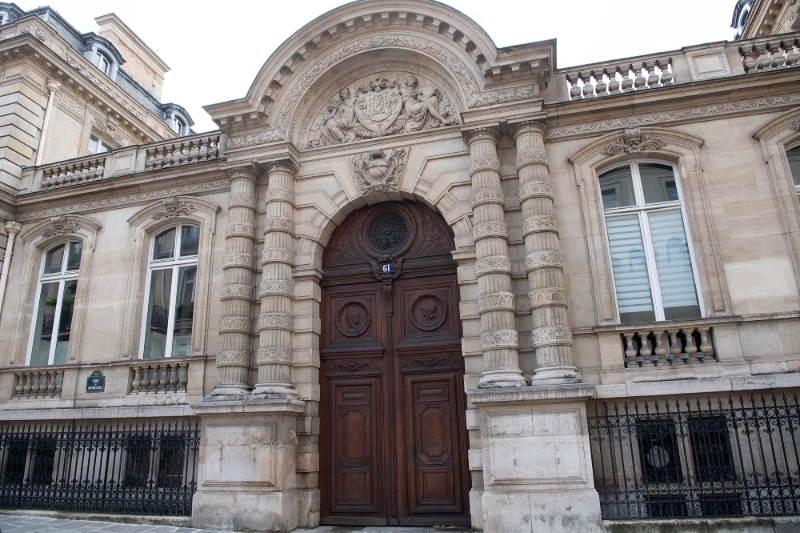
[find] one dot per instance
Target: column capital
(481, 133)
(288, 165)
(247, 171)
(53, 85)
(535, 126)
(13, 227)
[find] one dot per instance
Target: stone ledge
(705, 525)
(699, 386)
(274, 403)
(569, 391)
(78, 413)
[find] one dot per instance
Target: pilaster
(552, 336)
(276, 321)
(499, 336)
(235, 327)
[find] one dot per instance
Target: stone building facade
(406, 277)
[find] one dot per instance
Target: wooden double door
(393, 437)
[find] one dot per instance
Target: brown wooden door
(392, 436)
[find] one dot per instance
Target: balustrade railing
(770, 55)
(38, 383)
(74, 172)
(182, 152)
(660, 346)
(616, 79)
(164, 377)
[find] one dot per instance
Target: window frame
(109, 64)
(793, 146)
(641, 209)
(102, 143)
(174, 264)
(61, 277)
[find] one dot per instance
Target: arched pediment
(440, 46)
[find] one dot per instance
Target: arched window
(55, 300)
(171, 282)
(651, 256)
(104, 63)
(178, 126)
(793, 155)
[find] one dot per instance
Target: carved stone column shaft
(552, 337)
(275, 323)
(233, 360)
(499, 337)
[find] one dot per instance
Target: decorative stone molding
(249, 172)
(543, 259)
(487, 195)
(504, 338)
(233, 357)
(242, 200)
(531, 394)
(128, 199)
(633, 140)
(493, 264)
(532, 157)
(176, 207)
(254, 139)
(235, 324)
(481, 164)
(376, 171)
(236, 292)
(60, 226)
(535, 189)
(283, 224)
(277, 255)
(496, 301)
(240, 230)
(538, 224)
(548, 296)
(280, 194)
(280, 287)
(275, 321)
(273, 355)
(282, 165)
(237, 259)
(486, 133)
(553, 336)
(484, 230)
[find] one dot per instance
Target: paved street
(37, 524)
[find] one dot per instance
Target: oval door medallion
(428, 312)
(353, 319)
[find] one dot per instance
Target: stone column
(275, 323)
(235, 327)
(499, 336)
(552, 337)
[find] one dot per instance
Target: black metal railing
(140, 467)
(716, 457)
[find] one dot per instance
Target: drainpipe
(52, 86)
(12, 228)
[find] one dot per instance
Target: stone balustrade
(769, 55)
(125, 161)
(42, 383)
(163, 377)
(672, 345)
(615, 79)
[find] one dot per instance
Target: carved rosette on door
(393, 436)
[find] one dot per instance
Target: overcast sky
(215, 49)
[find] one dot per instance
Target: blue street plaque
(96, 382)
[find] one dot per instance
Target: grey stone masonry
(499, 336)
(552, 337)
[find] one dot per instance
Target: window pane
(137, 465)
(45, 319)
(74, 258)
(630, 269)
(65, 322)
(658, 183)
(616, 188)
(164, 246)
(190, 240)
(155, 339)
(53, 260)
(674, 265)
(184, 312)
(794, 163)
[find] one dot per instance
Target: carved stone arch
(777, 136)
(144, 225)
(653, 144)
(35, 241)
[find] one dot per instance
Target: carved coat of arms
(380, 108)
(378, 171)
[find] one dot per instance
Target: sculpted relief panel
(380, 107)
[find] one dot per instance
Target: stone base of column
(492, 379)
(537, 466)
(275, 390)
(555, 376)
(246, 465)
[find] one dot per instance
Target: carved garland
(632, 140)
(60, 226)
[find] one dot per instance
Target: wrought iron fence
(104, 467)
(711, 457)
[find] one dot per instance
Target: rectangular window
(44, 457)
(711, 449)
(651, 260)
(658, 451)
(16, 457)
(793, 155)
(97, 146)
(137, 461)
(170, 464)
